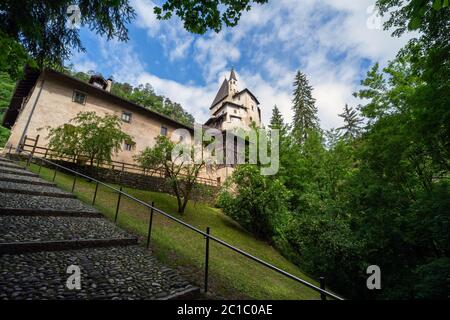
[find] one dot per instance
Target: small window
(218, 180)
(163, 131)
(128, 147)
(251, 119)
(252, 108)
(235, 111)
(79, 97)
(126, 116)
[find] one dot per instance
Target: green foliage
(326, 246)
(89, 135)
(380, 196)
(180, 171)
(200, 16)
(257, 202)
(352, 123)
(305, 110)
(4, 135)
(6, 90)
(433, 279)
(13, 58)
(413, 15)
(43, 31)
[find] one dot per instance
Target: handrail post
(323, 296)
(9, 151)
(206, 258)
(32, 151)
(118, 205)
(74, 181)
(22, 144)
(54, 176)
(95, 193)
(40, 166)
(150, 225)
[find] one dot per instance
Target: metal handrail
(205, 234)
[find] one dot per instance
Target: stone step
(22, 204)
(105, 273)
(37, 190)
(3, 159)
(24, 179)
(10, 165)
(20, 172)
(20, 234)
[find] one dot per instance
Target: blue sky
(333, 42)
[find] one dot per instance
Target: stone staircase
(44, 230)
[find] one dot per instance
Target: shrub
(258, 203)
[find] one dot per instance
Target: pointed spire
(233, 75)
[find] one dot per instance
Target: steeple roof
(222, 94)
(233, 75)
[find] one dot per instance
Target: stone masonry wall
(202, 193)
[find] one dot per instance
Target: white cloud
(328, 40)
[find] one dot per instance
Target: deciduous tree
(89, 135)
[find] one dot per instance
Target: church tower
(233, 108)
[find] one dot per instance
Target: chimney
(108, 85)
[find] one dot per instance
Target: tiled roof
(222, 94)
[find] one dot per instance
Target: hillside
(231, 276)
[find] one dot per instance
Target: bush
(256, 202)
(433, 280)
(4, 135)
(326, 247)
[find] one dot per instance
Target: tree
(89, 135)
(277, 121)
(6, 90)
(13, 57)
(199, 16)
(352, 128)
(42, 27)
(257, 202)
(180, 172)
(413, 15)
(305, 111)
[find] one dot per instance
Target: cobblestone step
(22, 204)
(106, 273)
(10, 177)
(3, 159)
(20, 172)
(20, 234)
(10, 165)
(37, 190)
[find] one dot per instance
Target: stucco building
(49, 99)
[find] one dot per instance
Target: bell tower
(232, 82)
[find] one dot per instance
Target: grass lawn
(231, 275)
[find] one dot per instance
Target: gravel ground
(15, 187)
(23, 179)
(106, 273)
(24, 201)
(21, 172)
(41, 228)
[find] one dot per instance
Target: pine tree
(305, 111)
(351, 128)
(277, 121)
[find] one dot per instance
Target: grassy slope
(231, 275)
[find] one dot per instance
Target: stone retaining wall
(202, 193)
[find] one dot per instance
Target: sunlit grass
(231, 275)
